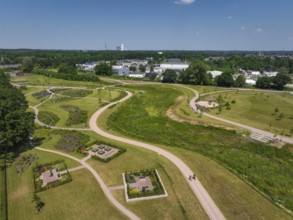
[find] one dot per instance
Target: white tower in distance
(122, 48)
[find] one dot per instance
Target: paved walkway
(107, 192)
(206, 201)
(112, 188)
(72, 169)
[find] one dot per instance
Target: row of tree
(221, 60)
(197, 74)
(67, 72)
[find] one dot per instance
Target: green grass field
(178, 204)
(143, 117)
(257, 109)
(80, 199)
(212, 153)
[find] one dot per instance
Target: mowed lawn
(257, 109)
(181, 202)
(80, 199)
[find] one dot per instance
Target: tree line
(197, 74)
(221, 60)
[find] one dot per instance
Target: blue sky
(147, 24)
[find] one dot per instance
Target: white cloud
(243, 28)
(184, 2)
(258, 30)
(229, 17)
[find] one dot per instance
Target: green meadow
(265, 167)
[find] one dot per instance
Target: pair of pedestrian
(191, 177)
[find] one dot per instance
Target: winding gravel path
(206, 201)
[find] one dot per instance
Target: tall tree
(280, 80)
(142, 68)
(196, 74)
(103, 69)
(225, 79)
(240, 81)
(27, 64)
(65, 68)
(264, 82)
(169, 76)
(16, 124)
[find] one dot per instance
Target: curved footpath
(206, 201)
(251, 129)
(107, 192)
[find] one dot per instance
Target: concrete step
(260, 137)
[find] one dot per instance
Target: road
(106, 190)
(192, 104)
(206, 201)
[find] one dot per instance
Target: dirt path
(206, 201)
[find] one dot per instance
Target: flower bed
(143, 184)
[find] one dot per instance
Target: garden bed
(42, 94)
(101, 151)
(143, 184)
(50, 175)
(71, 140)
(76, 115)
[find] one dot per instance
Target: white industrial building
(136, 75)
(120, 70)
(270, 74)
(215, 73)
(250, 82)
(89, 66)
(254, 73)
(174, 66)
(136, 63)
